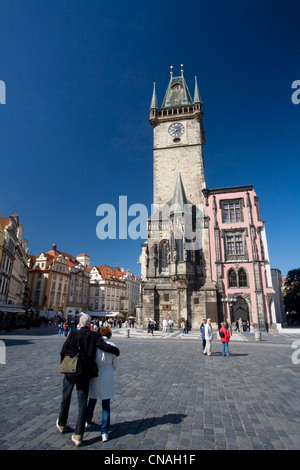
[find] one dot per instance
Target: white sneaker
(104, 437)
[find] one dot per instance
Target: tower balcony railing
(157, 113)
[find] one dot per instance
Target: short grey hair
(85, 320)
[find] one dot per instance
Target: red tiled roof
(4, 222)
(111, 274)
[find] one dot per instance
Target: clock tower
(178, 139)
(176, 271)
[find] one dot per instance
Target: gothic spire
(179, 201)
(154, 98)
(197, 97)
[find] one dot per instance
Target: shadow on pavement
(16, 342)
(137, 426)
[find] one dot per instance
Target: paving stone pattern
(169, 396)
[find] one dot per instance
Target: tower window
(164, 255)
(179, 249)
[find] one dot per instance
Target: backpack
(222, 334)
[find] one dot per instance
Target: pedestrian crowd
(66, 326)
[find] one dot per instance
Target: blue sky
(75, 134)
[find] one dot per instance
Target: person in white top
(103, 386)
(208, 337)
(165, 324)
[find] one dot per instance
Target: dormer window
(176, 86)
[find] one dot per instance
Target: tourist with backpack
(225, 336)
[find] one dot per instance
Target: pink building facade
(239, 256)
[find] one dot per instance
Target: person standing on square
(208, 337)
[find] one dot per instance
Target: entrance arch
(240, 310)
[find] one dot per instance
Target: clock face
(176, 129)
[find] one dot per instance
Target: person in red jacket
(225, 336)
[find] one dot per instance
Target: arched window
(232, 279)
(179, 249)
(163, 255)
(243, 282)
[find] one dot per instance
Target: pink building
(239, 256)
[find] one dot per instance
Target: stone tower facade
(176, 270)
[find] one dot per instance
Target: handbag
(69, 365)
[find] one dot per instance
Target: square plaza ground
(169, 396)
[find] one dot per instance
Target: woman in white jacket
(103, 386)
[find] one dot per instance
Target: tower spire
(177, 93)
(197, 98)
(154, 98)
(179, 201)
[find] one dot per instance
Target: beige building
(57, 281)
(113, 290)
(107, 290)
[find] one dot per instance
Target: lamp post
(229, 301)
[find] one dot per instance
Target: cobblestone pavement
(169, 396)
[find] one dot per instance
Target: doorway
(239, 310)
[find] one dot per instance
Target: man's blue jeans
(225, 349)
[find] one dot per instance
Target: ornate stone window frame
(232, 232)
(239, 201)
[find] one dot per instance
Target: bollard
(2, 353)
(128, 333)
(257, 336)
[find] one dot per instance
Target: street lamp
(230, 301)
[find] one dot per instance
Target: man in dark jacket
(85, 342)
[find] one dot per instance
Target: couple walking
(96, 380)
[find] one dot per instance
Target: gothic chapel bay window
(235, 245)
